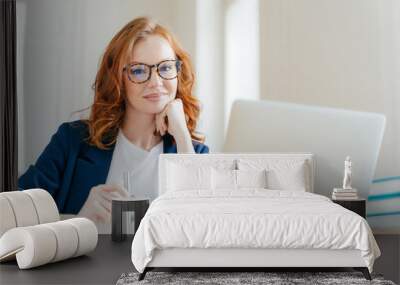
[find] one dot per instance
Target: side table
(358, 206)
(118, 210)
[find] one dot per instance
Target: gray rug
(229, 278)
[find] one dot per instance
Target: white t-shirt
(139, 164)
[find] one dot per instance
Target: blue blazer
(69, 167)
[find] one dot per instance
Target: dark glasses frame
(178, 64)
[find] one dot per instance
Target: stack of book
(344, 194)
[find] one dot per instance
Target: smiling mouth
(154, 97)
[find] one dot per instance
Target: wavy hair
(108, 109)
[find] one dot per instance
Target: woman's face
(153, 95)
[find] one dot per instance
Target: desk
(104, 265)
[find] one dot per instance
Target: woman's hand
(172, 120)
(98, 204)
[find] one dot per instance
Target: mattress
(250, 219)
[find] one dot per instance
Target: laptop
(330, 134)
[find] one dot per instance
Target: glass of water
(128, 185)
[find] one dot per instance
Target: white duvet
(251, 218)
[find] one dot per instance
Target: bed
(247, 211)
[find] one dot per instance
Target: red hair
(108, 109)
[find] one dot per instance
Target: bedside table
(119, 207)
(358, 206)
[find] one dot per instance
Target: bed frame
(235, 259)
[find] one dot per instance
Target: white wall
(340, 53)
(345, 54)
(242, 63)
(210, 70)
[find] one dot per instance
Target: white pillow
(223, 179)
(288, 178)
(251, 178)
(236, 179)
(182, 177)
(281, 174)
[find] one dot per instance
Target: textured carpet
(225, 278)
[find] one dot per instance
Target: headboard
(226, 160)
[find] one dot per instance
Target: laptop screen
(330, 134)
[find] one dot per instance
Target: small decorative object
(347, 192)
(31, 231)
(347, 173)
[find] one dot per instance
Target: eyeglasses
(141, 72)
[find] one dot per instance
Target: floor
(389, 262)
(110, 260)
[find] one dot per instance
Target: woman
(143, 106)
